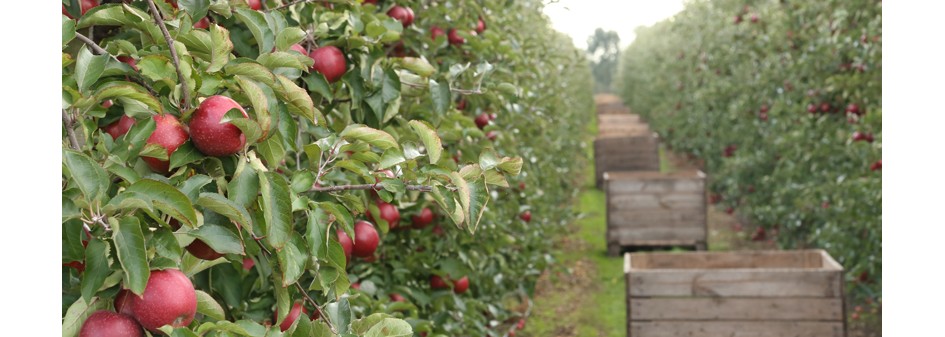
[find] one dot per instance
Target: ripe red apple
(129, 61)
(460, 286)
(248, 263)
(754, 18)
(210, 136)
(461, 105)
(729, 210)
(437, 282)
(168, 299)
(493, 116)
(395, 297)
(77, 265)
(201, 250)
(423, 219)
(346, 244)
(169, 134)
(454, 38)
(110, 324)
(402, 14)
(759, 234)
(480, 26)
(86, 5)
(878, 165)
(438, 231)
(356, 286)
(492, 135)
(521, 324)
(852, 108)
(329, 61)
(763, 117)
(811, 108)
(521, 185)
(764, 108)
(123, 302)
(203, 23)
(255, 5)
(120, 127)
(526, 216)
(436, 32)
(297, 47)
(389, 213)
(482, 120)
(365, 239)
(824, 107)
(738, 19)
(293, 316)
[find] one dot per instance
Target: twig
(98, 50)
(95, 47)
(69, 124)
(184, 90)
(458, 91)
(336, 188)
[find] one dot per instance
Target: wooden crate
(612, 108)
(623, 129)
(625, 153)
(652, 209)
(605, 120)
(749, 293)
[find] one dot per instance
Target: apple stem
(336, 188)
(184, 89)
(69, 124)
(98, 50)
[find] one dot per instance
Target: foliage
(405, 103)
(604, 50)
(769, 94)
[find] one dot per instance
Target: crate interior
(805, 259)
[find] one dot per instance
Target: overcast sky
(579, 18)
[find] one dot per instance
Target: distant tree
(603, 49)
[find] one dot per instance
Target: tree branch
(95, 47)
(70, 124)
(376, 187)
(185, 91)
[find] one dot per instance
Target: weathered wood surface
(625, 153)
(647, 206)
(750, 309)
(736, 329)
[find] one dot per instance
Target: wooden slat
(746, 309)
(735, 282)
(655, 175)
(735, 329)
(655, 186)
(805, 259)
(656, 219)
(657, 201)
(638, 236)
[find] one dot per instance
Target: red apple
(824, 107)
(168, 299)
(388, 212)
(521, 185)
(356, 286)
(461, 105)
(438, 231)
(77, 265)
(480, 26)
(210, 136)
(365, 239)
(423, 219)
(482, 120)
(120, 127)
(852, 108)
(729, 210)
(395, 297)
(754, 18)
(402, 14)
(764, 108)
(436, 32)
(460, 286)
(437, 282)
(293, 316)
(346, 244)
(526, 216)
(454, 38)
(521, 324)
(202, 251)
(110, 324)
(811, 108)
(329, 61)
(878, 165)
(738, 19)
(123, 302)
(203, 23)
(169, 134)
(297, 47)
(492, 135)
(129, 61)
(248, 263)
(759, 234)
(256, 5)
(86, 5)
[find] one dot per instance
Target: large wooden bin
(652, 209)
(617, 128)
(637, 152)
(748, 293)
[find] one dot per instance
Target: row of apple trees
(782, 101)
(244, 143)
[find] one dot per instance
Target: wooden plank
(656, 219)
(735, 329)
(655, 186)
(655, 175)
(805, 259)
(638, 236)
(735, 282)
(657, 201)
(747, 309)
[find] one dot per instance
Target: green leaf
(316, 232)
(244, 187)
(390, 327)
(277, 208)
(168, 199)
(127, 90)
(496, 178)
(257, 24)
(369, 135)
(104, 15)
(488, 159)
(157, 68)
(391, 157)
(342, 216)
(282, 59)
(361, 326)
(260, 103)
(298, 101)
(191, 188)
(317, 83)
(87, 174)
(68, 30)
(196, 8)
(431, 141)
(251, 130)
(340, 314)
(209, 307)
(292, 260)
(478, 198)
(511, 166)
(96, 268)
(354, 166)
(220, 238)
(441, 96)
(302, 181)
(88, 68)
(462, 194)
(221, 48)
(185, 154)
(254, 71)
(78, 312)
(272, 151)
(289, 36)
(470, 172)
(419, 66)
(232, 210)
(165, 244)
(129, 241)
(390, 89)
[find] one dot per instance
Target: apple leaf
(478, 198)
(87, 174)
(232, 210)
(289, 36)
(220, 238)
(221, 46)
(129, 240)
(488, 159)
(277, 208)
(209, 307)
(292, 260)
(96, 268)
(340, 314)
(68, 30)
(168, 199)
(78, 312)
(390, 158)
(342, 216)
(196, 8)
(272, 151)
(390, 327)
(88, 68)
(260, 103)
(316, 232)
(298, 101)
(165, 244)
(369, 135)
(431, 141)
(282, 59)
(104, 15)
(128, 90)
(256, 22)
(496, 178)
(244, 187)
(253, 70)
(185, 154)
(441, 96)
(511, 166)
